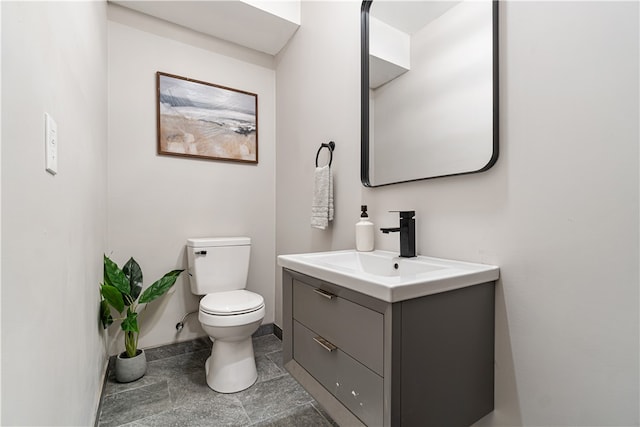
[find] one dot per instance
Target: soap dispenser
(364, 232)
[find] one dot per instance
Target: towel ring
(331, 146)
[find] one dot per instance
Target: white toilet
(229, 314)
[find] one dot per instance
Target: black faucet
(407, 231)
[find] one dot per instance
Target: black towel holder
(331, 146)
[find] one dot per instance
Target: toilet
(228, 313)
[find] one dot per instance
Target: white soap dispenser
(364, 232)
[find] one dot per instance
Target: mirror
(429, 89)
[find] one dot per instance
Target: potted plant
(120, 290)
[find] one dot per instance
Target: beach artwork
(204, 120)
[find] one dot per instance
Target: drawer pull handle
(325, 344)
(322, 292)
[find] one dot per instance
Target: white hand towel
(322, 207)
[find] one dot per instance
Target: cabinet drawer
(356, 386)
(356, 330)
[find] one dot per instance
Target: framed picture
(204, 120)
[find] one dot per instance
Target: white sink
(386, 276)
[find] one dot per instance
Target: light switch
(51, 144)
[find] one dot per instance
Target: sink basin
(386, 276)
(376, 263)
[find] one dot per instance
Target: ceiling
(265, 26)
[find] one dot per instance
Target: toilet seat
(231, 303)
(228, 321)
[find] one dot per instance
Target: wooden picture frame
(204, 120)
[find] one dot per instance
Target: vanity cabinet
(426, 361)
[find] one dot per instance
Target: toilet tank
(218, 264)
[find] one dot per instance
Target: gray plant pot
(130, 368)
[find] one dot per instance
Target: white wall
(53, 228)
(318, 89)
(156, 202)
(558, 212)
(0, 212)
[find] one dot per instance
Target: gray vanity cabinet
(426, 361)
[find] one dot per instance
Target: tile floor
(174, 392)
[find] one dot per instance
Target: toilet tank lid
(207, 242)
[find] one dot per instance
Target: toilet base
(231, 366)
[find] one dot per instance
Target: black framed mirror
(429, 89)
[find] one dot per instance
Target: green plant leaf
(133, 272)
(112, 296)
(130, 323)
(105, 314)
(115, 277)
(160, 286)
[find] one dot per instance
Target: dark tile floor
(174, 392)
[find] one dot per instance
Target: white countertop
(375, 273)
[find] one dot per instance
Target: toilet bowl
(231, 366)
(228, 313)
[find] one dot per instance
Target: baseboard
(277, 331)
(105, 376)
(266, 329)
